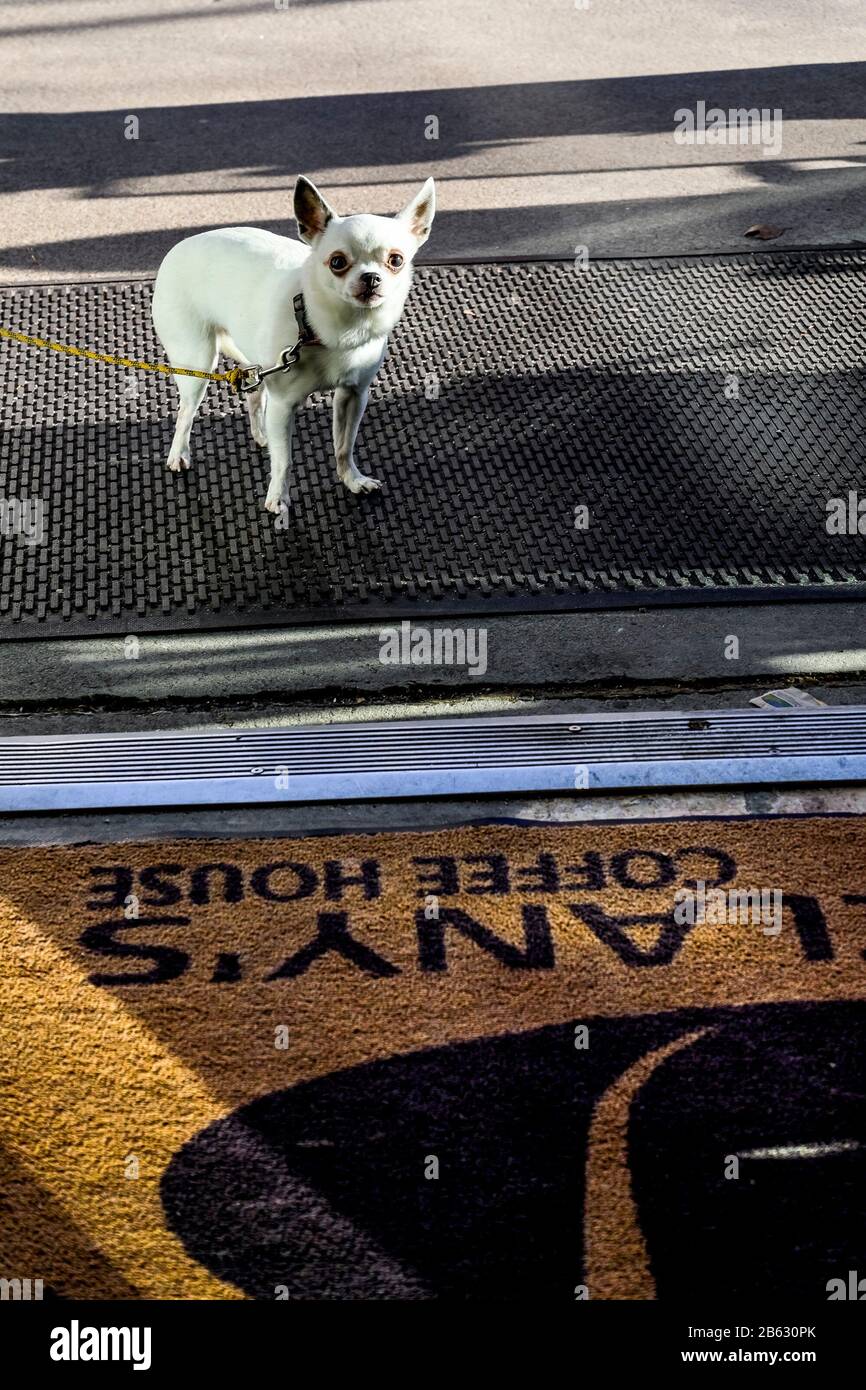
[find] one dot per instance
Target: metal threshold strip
(432, 757)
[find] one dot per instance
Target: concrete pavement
(554, 124)
(265, 822)
(593, 655)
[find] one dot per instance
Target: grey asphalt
(554, 123)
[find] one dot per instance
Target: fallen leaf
(764, 231)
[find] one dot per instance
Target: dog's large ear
(311, 210)
(420, 212)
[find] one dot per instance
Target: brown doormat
(494, 1062)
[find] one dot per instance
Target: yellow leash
(234, 377)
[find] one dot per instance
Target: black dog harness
(290, 356)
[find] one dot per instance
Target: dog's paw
(276, 504)
(178, 463)
(358, 482)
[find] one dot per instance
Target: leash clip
(250, 381)
(289, 357)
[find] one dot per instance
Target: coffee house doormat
(490, 1063)
(548, 436)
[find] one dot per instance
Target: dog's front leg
(280, 429)
(350, 403)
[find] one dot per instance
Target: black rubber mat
(702, 410)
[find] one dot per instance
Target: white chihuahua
(325, 310)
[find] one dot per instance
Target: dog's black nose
(371, 280)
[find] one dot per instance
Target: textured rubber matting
(702, 410)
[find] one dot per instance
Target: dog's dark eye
(395, 260)
(338, 262)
